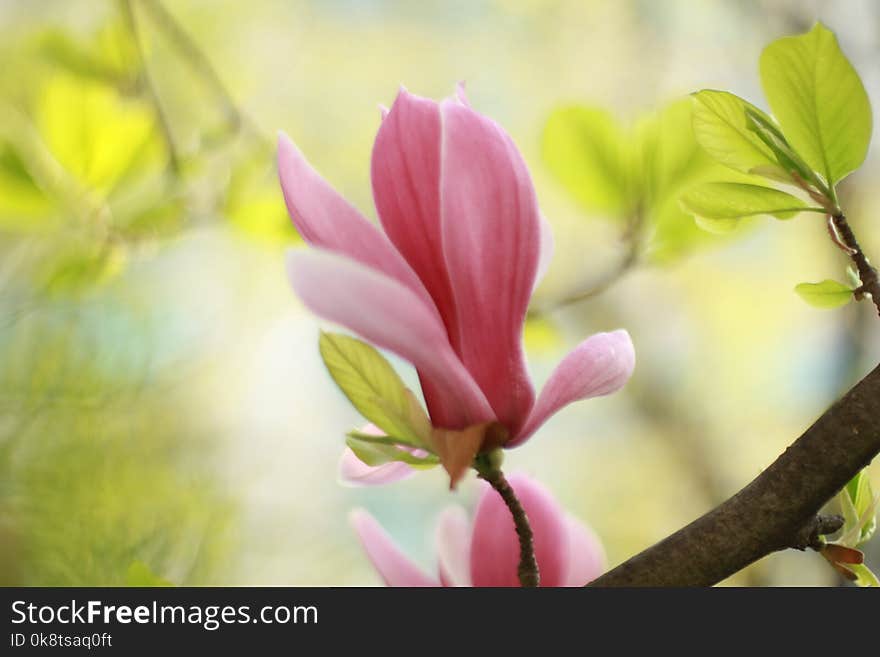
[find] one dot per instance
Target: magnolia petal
(453, 539)
(494, 545)
(491, 242)
(354, 472)
(325, 219)
(386, 313)
(395, 568)
(599, 365)
(405, 172)
(586, 557)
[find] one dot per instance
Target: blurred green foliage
(633, 175)
(106, 479)
(90, 160)
(100, 468)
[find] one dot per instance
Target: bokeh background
(164, 414)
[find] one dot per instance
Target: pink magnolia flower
(446, 282)
(486, 553)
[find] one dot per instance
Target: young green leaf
(722, 127)
(374, 388)
(590, 154)
(819, 100)
(374, 453)
(827, 294)
(853, 277)
(719, 206)
(769, 133)
(865, 577)
(858, 505)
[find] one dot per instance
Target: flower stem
(867, 273)
(528, 565)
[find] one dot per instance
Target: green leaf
(827, 294)
(819, 100)
(846, 498)
(718, 207)
(864, 575)
(768, 132)
(374, 388)
(858, 504)
(722, 126)
(853, 276)
(139, 574)
(590, 154)
(374, 453)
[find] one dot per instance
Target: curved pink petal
(491, 242)
(495, 547)
(453, 539)
(354, 472)
(405, 173)
(586, 557)
(599, 365)
(391, 316)
(325, 219)
(395, 568)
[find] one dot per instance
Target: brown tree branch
(777, 510)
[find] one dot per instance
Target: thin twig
(632, 237)
(600, 284)
(867, 273)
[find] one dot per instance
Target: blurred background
(164, 414)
